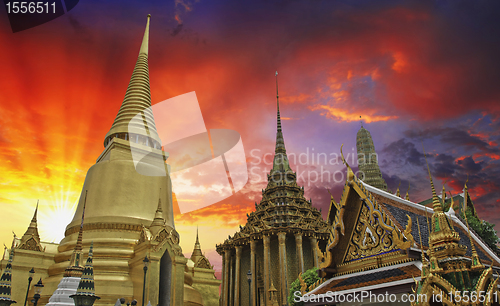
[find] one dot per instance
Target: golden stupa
(127, 203)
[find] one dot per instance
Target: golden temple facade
(279, 240)
(127, 203)
(385, 244)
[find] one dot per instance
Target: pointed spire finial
(407, 197)
(398, 193)
(361, 121)
(278, 104)
(75, 267)
(476, 263)
(137, 101)
(36, 212)
(436, 204)
(145, 41)
(280, 142)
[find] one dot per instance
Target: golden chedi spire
(75, 268)
(137, 101)
(31, 240)
(443, 237)
(197, 254)
(158, 222)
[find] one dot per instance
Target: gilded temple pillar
(267, 265)
(253, 245)
(231, 280)
(314, 243)
(237, 269)
(300, 252)
(225, 293)
(223, 285)
(283, 266)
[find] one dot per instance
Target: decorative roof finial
(398, 194)
(436, 204)
(360, 121)
(75, 268)
(424, 260)
(280, 142)
(407, 197)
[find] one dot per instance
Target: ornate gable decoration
(203, 263)
(374, 232)
(372, 236)
(31, 244)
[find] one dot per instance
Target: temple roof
(398, 208)
(31, 240)
(362, 281)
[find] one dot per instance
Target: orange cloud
(342, 114)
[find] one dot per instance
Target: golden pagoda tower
(279, 240)
(128, 180)
(368, 160)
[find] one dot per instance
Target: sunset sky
(416, 71)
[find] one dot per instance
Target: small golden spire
(75, 268)
(436, 204)
(424, 260)
(407, 197)
(398, 194)
(476, 263)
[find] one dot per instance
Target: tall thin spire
(75, 268)
(137, 100)
(280, 162)
(197, 253)
(436, 204)
(280, 142)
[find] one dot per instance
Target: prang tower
(368, 160)
(279, 240)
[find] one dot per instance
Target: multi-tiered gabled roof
(377, 239)
(283, 204)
